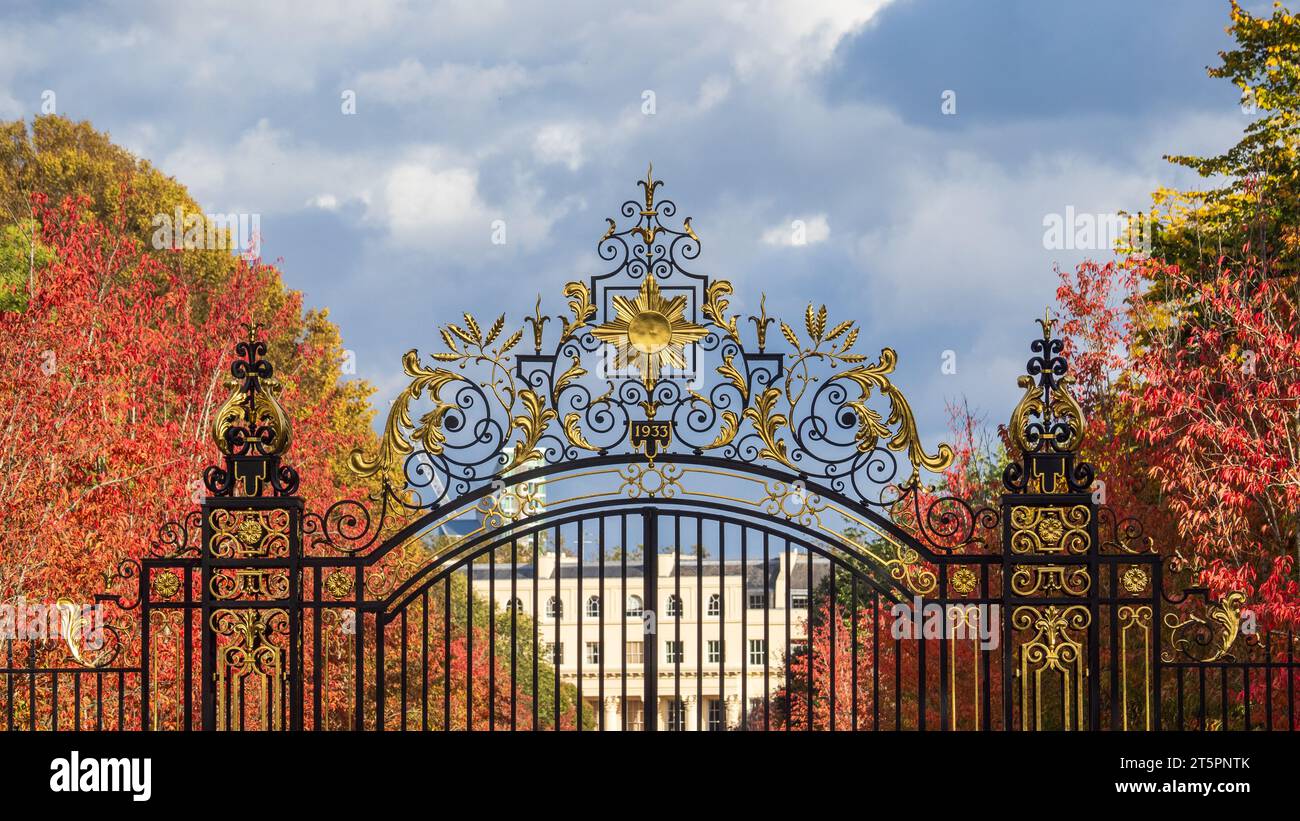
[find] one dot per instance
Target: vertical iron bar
(492, 638)
(424, 658)
(645, 605)
(582, 615)
(469, 645)
(744, 633)
(789, 651)
(808, 630)
(767, 654)
(834, 617)
(677, 718)
(650, 560)
(446, 653)
(600, 659)
(514, 632)
(699, 625)
(403, 713)
(853, 637)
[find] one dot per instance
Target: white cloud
(559, 144)
(713, 91)
(807, 230)
(793, 39)
(325, 202)
(420, 199)
(411, 83)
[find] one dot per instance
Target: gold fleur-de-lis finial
(761, 322)
(538, 321)
(1047, 323)
(650, 184)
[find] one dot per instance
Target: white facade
(730, 646)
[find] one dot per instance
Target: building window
(715, 651)
(593, 607)
(715, 604)
(717, 716)
(593, 652)
(674, 605)
(757, 601)
(634, 606)
(676, 715)
(556, 652)
(635, 714)
(757, 651)
(799, 599)
(516, 606)
(673, 652)
(635, 652)
(554, 608)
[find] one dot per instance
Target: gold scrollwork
(1135, 620)
(508, 505)
(652, 331)
(1050, 530)
(793, 501)
(252, 406)
(1056, 649)
(1208, 638)
(251, 666)
(1050, 579)
(650, 480)
(250, 583)
(397, 566)
(249, 534)
(906, 567)
(1062, 407)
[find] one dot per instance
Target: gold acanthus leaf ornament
(871, 429)
(251, 409)
(394, 445)
(532, 424)
(715, 307)
(651, 333)
(1062, 408)
(767, 422)
(580, 305)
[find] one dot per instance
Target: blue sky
(925, 226)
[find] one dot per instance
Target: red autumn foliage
(109, 382)
(1192, 408)
(824, 682)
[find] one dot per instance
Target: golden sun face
(649, 332)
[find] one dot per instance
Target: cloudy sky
(926, 226)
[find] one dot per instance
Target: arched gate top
(650, 361)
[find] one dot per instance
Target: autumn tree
(1254, 202)
(109, 382)
(57, 158)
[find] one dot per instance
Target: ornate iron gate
(653, 521)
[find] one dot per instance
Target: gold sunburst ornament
(649, 332)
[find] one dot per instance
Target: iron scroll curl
(648, 341)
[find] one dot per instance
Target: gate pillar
(252, 527)
(1051, 661)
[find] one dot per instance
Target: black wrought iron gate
(652, 521)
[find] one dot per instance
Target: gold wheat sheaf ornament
(649, 355)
